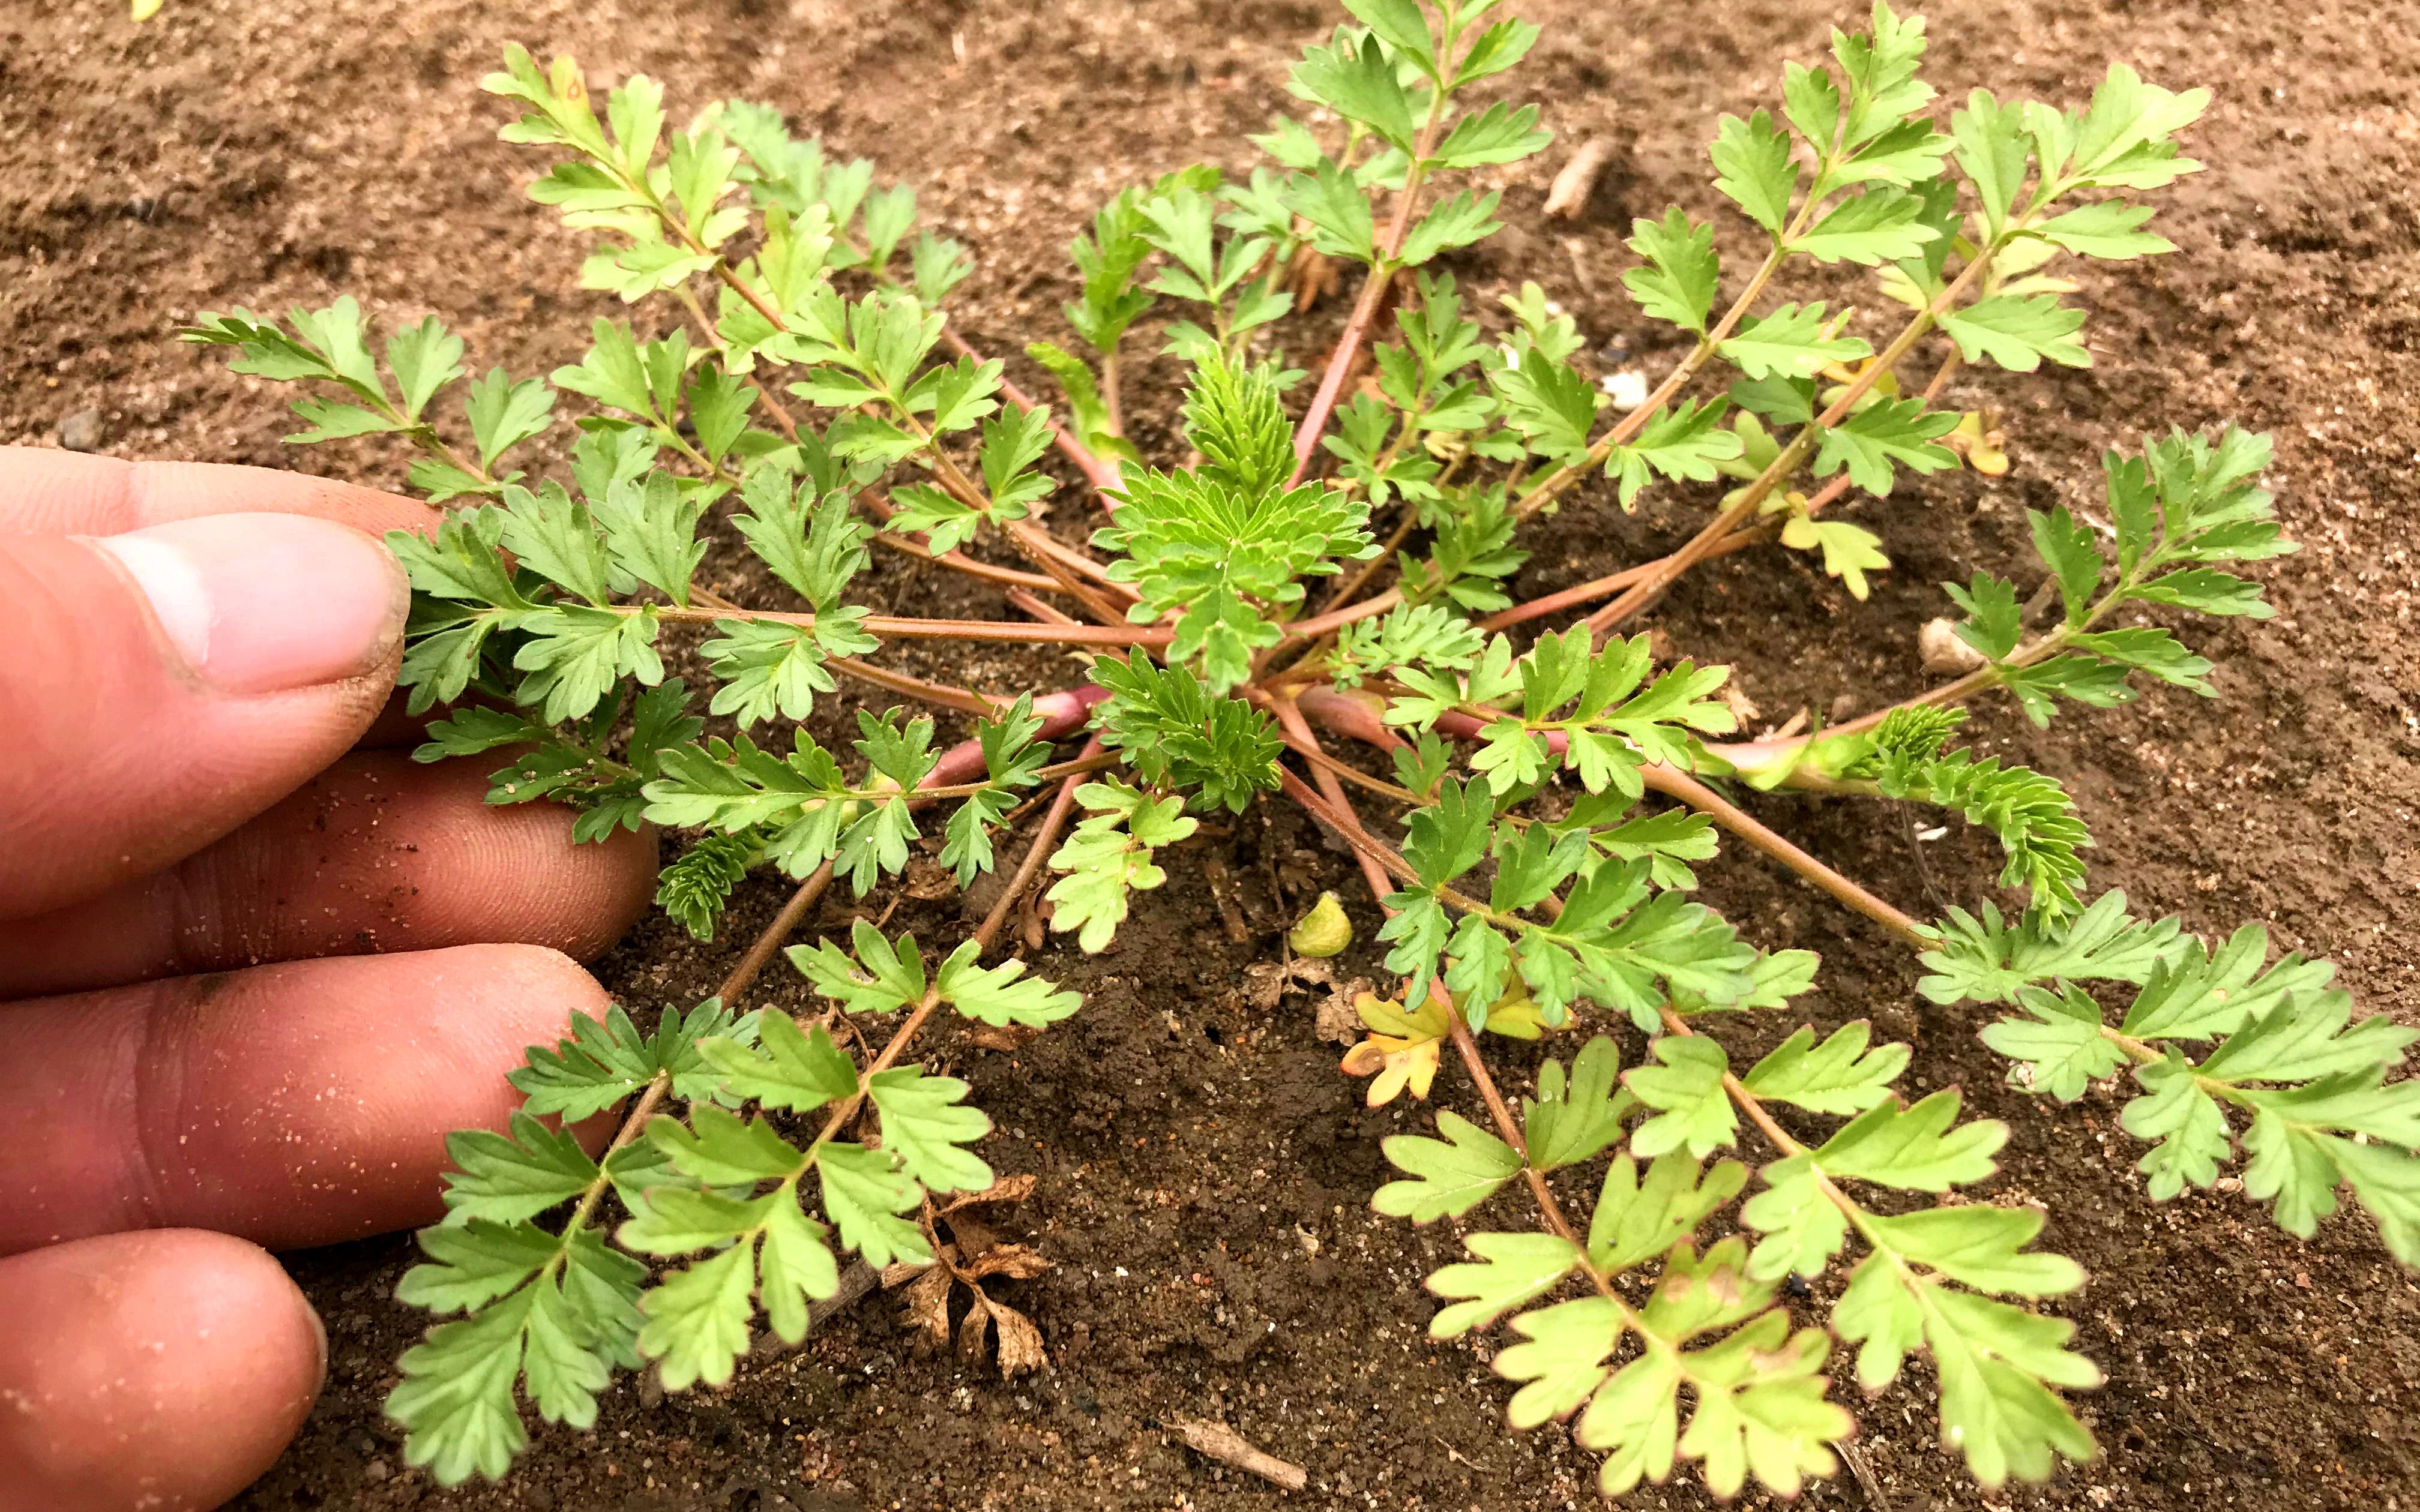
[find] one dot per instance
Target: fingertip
(165, 1369)
(292, 1105)
(262, 603)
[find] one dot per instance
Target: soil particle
(83, 432)
(293, 154)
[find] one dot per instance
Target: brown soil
(1203, 1169)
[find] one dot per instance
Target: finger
(162, 1370)
(164, 685)
(380, 853)
(45, 492)
(290, 1104)
(397, 728)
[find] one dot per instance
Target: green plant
(1533, 887)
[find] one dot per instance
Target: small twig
(1868, 1485)
(1231, 918)
(1220, 1443)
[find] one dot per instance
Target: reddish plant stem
(1320, 759)
(1060, 714)
(1348, 828)
(1348, 346)
(1047, 613)
(1066, 567)
(915, 629)
(917, 545)
(1319, 625)
(1350, 586)
(916, 549)
(1351, 716)
(1581, 593)
(1289, 719)
(1365, 308)
(941, 694)
(1506, 1127)
(1674, 783)
(761, 949)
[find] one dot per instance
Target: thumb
(162, 686)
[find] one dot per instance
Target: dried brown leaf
(1265, 981)
(1007, 1189)
(1020, 1342)
(975, 1331)
(1337, 1023)
(1311, 276)
(1019, 1262)
(973, 1234)
(927, 1308)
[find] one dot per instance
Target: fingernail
(267, 603)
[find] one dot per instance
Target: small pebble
(1944, 650)
(83, 431)
(375, 1471)
(1627, 388)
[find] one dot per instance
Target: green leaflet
(1997, 1365)
(1838, 1076)
(1448, 1177)
(1696, 1113)
(924, 1119)
(1759, 1406)
(798, 1072)
(559, 1335)
(1512, 1270)
(1638, 1219)
(1571, 1123)
(1984, 959)
(604, 1062)
(1108, 859)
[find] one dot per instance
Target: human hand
(204, 798)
